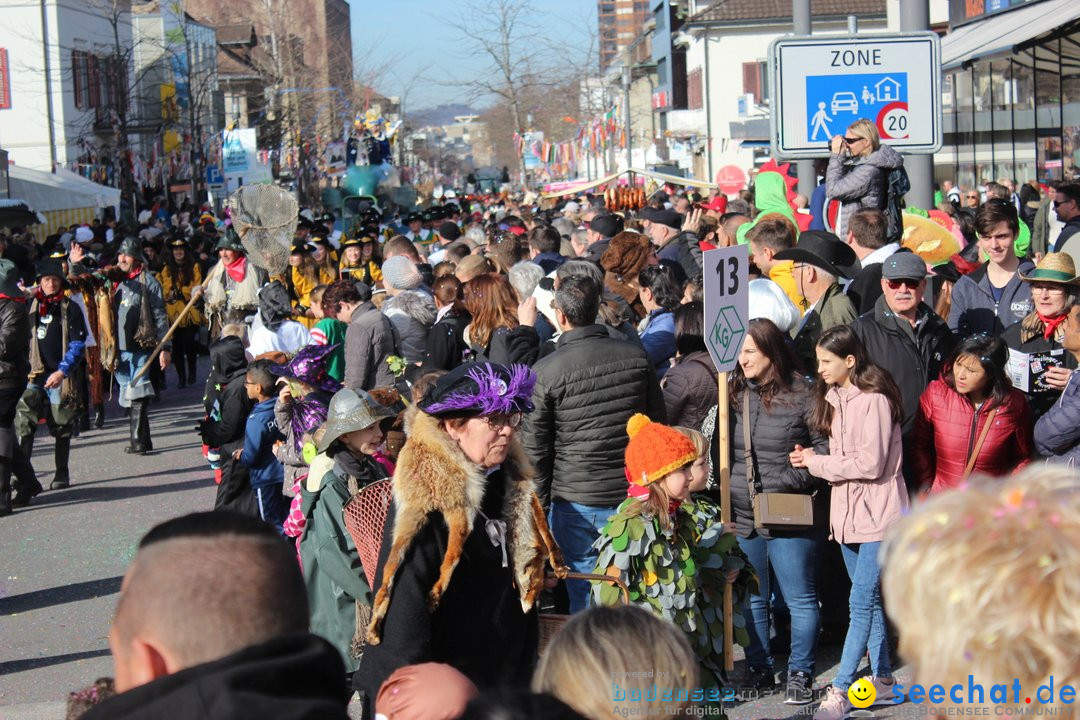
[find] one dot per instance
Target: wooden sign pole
(724, 473)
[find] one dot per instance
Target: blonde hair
(701, 445)
(596, 647)
(983, 581)
(238, 330)
(865, 129)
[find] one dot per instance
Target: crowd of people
(522, 386)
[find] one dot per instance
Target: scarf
(46, 302)
(1051, 323)
(1037, 324)
(306, 415)
(16, 298)
(237, 269)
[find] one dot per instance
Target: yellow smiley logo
(862, 693)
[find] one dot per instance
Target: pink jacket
(862, 467)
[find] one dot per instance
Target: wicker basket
(550, 623)
(365, 516)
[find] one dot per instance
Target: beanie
(655, 450)
(400, 273)
(449, 231)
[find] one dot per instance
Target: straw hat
(1056, 267)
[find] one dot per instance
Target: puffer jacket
(948, 426)
(369, 341)
(913, 356)
(14, 350)
(974, 309)
(860, 183)
(1057, 433)
(585, 393)
(689, 389)
(863, 466)
(413, 314)
(774, 433)
(658, 339)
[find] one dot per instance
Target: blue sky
(416, 32)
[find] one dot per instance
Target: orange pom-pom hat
(655, 450)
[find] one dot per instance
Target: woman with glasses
(971, 420)
(1054, 291)
(993, 297)
(858, 167)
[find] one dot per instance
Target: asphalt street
(65, 555)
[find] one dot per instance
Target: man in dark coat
(14, 368)
(227, 408)
(866, 236)
(585, 393)
(212, 623)
(904, 336)
(602, 228)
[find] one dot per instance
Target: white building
(55, 121)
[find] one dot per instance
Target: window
(79, 78)
(98, 82)
(694, 95)
(662, 71)
(756, 80)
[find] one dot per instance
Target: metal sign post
(726, 273)
(823, 84)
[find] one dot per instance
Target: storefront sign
(823, 85)
(965, 11)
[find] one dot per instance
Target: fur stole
(433, 474)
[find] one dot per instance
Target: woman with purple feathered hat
(301, 407)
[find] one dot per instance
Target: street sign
(821, 85)
(214, 179)
(726, 273)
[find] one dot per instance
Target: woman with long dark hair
(660, 296)
(972, 420)
(771, 404)
(859, 405)
(178, 278)
(501, 330)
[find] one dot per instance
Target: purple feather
(493, 395)
(307, 415)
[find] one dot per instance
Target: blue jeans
(866, 630)
(129, 364)
(575, 528)
(793, 561)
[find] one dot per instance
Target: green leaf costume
(678, 574)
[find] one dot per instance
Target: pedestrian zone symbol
(835, 101)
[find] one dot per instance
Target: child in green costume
(671, 549)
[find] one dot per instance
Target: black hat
(451, 209)
(606, 225)
(428, 215)
(178, 242)
(300, 248)
(326, 217)
(822, 250)
(476, 389)
(414, 217)
(51, 267)
(667, 217)
(449, 231)
(230, 241)
(130, 247)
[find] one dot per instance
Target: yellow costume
(177, 295)
(302, 287)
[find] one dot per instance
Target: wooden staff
(723, 433)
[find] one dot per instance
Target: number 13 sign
(726, 273)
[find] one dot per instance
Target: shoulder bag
(782, 511)
(979, 443)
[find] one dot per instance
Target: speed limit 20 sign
(824, 84)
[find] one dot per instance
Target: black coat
(14, 347)
(865, 288)
(913, 356)
(1043, 400)
(446, 347)
(520, 345)
(585, 393)
(774, 434)
(690, 389)
(292, 677)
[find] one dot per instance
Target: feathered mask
(481, 389)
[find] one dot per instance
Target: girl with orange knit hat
(672, 550)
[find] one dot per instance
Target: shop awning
(47, 191)
(17, 212)
(1002, 36)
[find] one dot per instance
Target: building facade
(619, 22)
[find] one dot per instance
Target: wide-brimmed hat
(309, 366)
(9, 279)
(478, 389)
(1055, 267)
(822, 250)
(351, 410)
(179, 242)
(230, 241)
(130, 247)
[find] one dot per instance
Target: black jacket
(865, 288)
(294, 677)
(446, 348)
(14, 346)
(585, 393)
(690, 389)
(913, 356)
(773, 435)
(1042, 400)
(520, 345)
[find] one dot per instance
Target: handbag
(783, 511)
(979, 443)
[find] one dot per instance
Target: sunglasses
(973, 197)
(910, 284)
(852, 140)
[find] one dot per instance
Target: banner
(240, 157)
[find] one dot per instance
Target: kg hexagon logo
(727, 334)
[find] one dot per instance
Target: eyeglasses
(502, 420)
(1048, 289)
(910, 284)
(972, 197)
(852, 140)
(1059, 203)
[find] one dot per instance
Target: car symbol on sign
(845, 101)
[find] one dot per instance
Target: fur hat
(655, 450)
(627, 254)
(400, 273)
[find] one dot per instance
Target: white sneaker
(883, 687)
(835, 706)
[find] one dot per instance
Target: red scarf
(237, 269)
(16, 298)
(45, 302)
(1051, 323)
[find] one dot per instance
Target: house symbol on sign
(888, 90)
